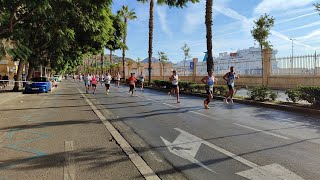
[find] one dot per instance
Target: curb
(280, 107)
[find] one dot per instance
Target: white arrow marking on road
(187, 145)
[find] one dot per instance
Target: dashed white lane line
(141, 165)
(262, 131)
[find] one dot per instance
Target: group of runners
(91, 80)
(210, 80)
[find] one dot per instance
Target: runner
(209, 82)
(142, 76)
(132, 83)
(175, 87)
(118, 79)
(94, 83)
(107, 79)
(230, 78)
(87, 82)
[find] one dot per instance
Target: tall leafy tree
(208, 22)
(116, 35)
(261, 32)
(186, 49)
(317, 6)
(14, 13)
(127, 15)
(20, 53)
(170, 3)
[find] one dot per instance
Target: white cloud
(297, 17)
(303, 26)
(162, 14)
(195, 15)
(313, 34)
(267, 6)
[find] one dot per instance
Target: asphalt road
(225, 142)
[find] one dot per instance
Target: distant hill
(146, 60)
(116, 59)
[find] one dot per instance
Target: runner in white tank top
(175, 87)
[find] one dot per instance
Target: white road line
(217, 148)
(262, 131)
(170, 105)
(141, 165)
(69, 171)
(204, 115)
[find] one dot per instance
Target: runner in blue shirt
(230, 77)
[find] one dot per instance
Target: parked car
(38, 85)
(57, 78)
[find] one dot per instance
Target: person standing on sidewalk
(94, 83)
(132, 83)
(209, 82)
(107, 80)
(142, 76)
(230, 77)
(175, 87)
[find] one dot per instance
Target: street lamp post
(292, 53)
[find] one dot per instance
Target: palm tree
(170, 3)
(127, 15)
(209, 34)
(186, 51)
(138, 64)
(163, 58)
(129, 64)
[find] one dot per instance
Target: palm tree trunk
(30, 72)
(124, 50)
(102, 61)
(18, 78)
(150, 39)
(111, 70)
(209, 34)
(261, 60)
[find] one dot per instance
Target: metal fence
(297, 65)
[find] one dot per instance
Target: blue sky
(232, 22)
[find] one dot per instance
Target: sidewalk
(58, 136)
(6, 97)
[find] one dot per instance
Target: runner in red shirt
(94, 83)
(132, 83)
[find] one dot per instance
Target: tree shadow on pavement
(54, 123)
(98, 157)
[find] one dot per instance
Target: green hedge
(310, 94)
(262, 93)
(190, 86)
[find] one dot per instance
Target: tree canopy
(261, 31)
(60, 33)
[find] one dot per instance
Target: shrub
(185, 85)
(161, 84)
(197, 87)
(221, 89)
(310, 94)
(262, 93)
(273, 95)
(294, 95)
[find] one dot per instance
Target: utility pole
(292, 52)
